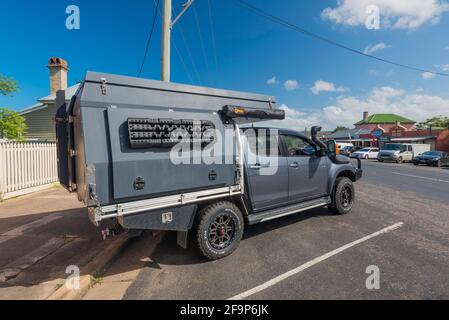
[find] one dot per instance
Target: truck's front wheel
(344, 196)
(219, 229)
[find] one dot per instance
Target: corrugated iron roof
(380, 118)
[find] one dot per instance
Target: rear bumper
(427, 162)
(358, 174)
(358, 170)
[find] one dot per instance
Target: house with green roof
(385, 122)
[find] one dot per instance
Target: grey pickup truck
(193, 160)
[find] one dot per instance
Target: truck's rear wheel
(219, 229)
(344, 196)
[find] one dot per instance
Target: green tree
(8, 85)
(12, 124)
(435, 122)
(339, 128)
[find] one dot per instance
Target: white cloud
(420, 90)
(444, 67)
(447, 48)
(348, 110)
(376, 47)
(395, 14)
(372, 72)
(294, 119)
(325, 86)
(272, 81)
(428, 75)
(291, 85)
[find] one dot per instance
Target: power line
(189, 53)
(212, 32)
(182, 62)
(200, 36)
(149, 37)
(296, 28)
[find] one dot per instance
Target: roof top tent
(115, 137)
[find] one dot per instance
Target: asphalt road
(430, 182)
(317, 255)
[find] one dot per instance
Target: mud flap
(181, 239)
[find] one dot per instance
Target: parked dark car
(432, 158)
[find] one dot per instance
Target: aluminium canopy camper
(115, 137)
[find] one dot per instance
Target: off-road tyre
(212, 245)
(343, 197)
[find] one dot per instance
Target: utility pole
(166, 36)
(167, 26)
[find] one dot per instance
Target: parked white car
(366, 153)
(401, 152)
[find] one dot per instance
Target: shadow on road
(37, 248)
(169, 253)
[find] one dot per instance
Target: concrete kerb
(90, 270)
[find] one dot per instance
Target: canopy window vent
(164, 133)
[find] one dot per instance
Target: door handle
(294, 165)
(258, 166)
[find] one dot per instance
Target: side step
(288, 210)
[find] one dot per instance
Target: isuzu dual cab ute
(194, 160)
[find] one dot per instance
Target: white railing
(26, 167)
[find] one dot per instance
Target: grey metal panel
(174, 87)
(141, 93)
(104, 158)
(182, 219)
(154, 165)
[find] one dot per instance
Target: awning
(413, 138)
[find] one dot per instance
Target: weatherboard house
(40, 117)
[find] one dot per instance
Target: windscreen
(394, 147)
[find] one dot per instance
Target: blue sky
(249, 51)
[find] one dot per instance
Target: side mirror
(320, 153)
(332, 148)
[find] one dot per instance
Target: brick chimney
(365, 116)
(58, 74)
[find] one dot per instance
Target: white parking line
(420, 177)
(315, 261)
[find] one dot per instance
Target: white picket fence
(26, 167)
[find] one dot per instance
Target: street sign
(377, 133)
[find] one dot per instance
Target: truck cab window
(296, 146)
(262, 142)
